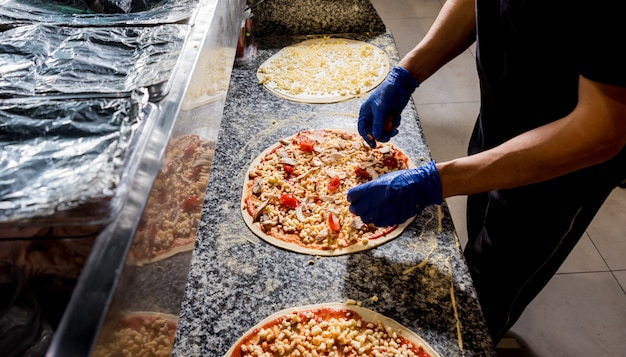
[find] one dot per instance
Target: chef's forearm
(594, 132)
(452, 32)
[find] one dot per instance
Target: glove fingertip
(384, 138)
(353, 195)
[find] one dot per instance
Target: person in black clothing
(547, 148)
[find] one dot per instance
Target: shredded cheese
(325, 67)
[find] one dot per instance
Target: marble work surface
(236, 279)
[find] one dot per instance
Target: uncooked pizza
(335, 329)
(170, 220)
(138, 334)
(294, 194)
(324, 70)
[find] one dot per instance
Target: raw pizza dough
(296, 199)
(170, 220)
(296, 322)
(324, 70)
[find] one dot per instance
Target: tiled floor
(582, 311)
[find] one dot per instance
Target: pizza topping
(288, 161)
(326, 332)
(390, 161)
(289, 200)
(373, 174)
(288, 169)
(362, 173)
(324, 68)
(172, 214)
(149, 336)
(307, 173)
(258, 211)
(307, 145)
(334, 183)
(305, 203)
(189, 150)
(333, 223)
(190, 204)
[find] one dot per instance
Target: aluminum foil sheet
(41, 59)
(81, 12)
(66, 158)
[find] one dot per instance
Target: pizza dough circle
(366, 315)
(324, 70)
(385, 234)
(170, 219)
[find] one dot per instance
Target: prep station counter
(236, 279)
(232, 279)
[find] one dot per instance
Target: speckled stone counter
(236, 279)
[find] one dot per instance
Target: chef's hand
(395, 197)
(379, 116)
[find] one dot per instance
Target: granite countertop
(236, 279)
(419, 279)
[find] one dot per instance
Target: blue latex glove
(395, 197)
(379, 116)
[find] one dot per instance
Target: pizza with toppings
(170, 220)
(324, 70)
(294, 194)
(138, 334)
(335, 329)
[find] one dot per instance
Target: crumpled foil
(89, 12)
(39, 59)
(61, 154)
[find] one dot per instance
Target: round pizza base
(170, 318)
(358, 247)
(366, 314)
(379, 55)
(166, 255)
(187, 243)
(112, 344)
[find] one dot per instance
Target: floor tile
(457, 81)
(620, 275)
(406, 8)
(408, 32)
(608, 230)
(457, 208)
(584, 258)
(576, 315)
(447, 128)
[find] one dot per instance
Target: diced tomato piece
(189, 150)
(249, 206)
(362, 173)
(288, 168)
(334, 183)
(307, 145)
(333, 223)
(289, 200)
(390, 161)
(190, 204)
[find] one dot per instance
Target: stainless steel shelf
(84, 316)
